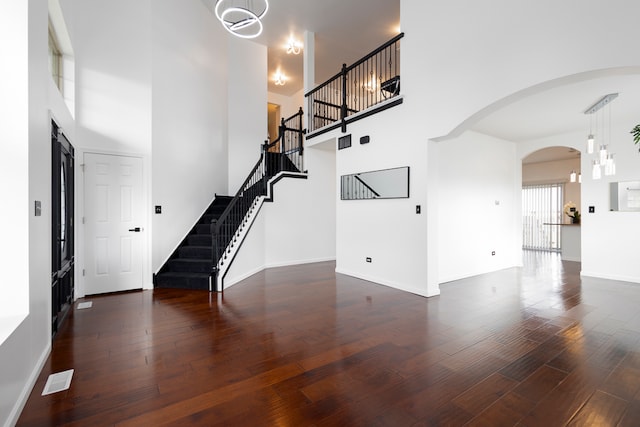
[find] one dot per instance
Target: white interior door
(113, 219)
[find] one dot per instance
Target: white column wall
(388, 231)
(478, 207)
(247, 108)
(189, 119)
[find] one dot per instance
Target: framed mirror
(625, 196)
(381, 184)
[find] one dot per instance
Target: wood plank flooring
(302, 346)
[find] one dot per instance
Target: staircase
(190, 265)
(204, 256)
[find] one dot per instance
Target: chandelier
(242, 18)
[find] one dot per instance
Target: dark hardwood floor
(302, 346)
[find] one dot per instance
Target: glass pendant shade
(603, 154)
(596, 173)
(580, 178)
(590, 143)
(572, 176)
(610, 165)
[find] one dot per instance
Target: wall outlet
(493, 253)
(368, 259)
(592, 209)
(158, 209)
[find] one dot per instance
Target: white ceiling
(561, 109)
(345, 31)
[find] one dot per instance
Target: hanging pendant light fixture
(242, 18)
(572, 176)
(591, 139)
(604, 158)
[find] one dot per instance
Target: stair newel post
(214, 250)
(343, 107)
(281, 135)
(300, 132)
(265, 166)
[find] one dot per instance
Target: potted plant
(636, 135)
(572, 212)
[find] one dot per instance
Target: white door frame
(147, 276)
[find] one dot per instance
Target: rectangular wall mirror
(625, 196)
(381, 184)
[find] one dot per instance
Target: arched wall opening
(483, 176)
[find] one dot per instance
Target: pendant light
(590, 139)
(604, 159)
(242, 18)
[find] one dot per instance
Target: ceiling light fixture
(293, 46)
(604, 158)
(242, 18)
(280, 79)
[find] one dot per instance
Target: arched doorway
(551, 200)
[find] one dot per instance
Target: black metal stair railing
(358, 87)
(283, 154)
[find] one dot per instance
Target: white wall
(482, 61)
(289, 105)
(478, 206)
(388, 231)
(113, 94)
(247, 108)
(299, 226)
(301, 222)
(189, 118)
(483, 56)
(26, 105)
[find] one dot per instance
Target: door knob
(136, 230)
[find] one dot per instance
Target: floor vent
(83, 305)
(58, 382)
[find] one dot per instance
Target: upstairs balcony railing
(371, 81)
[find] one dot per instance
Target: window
(55, 59)
(542, 207)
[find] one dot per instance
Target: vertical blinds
(541, 206)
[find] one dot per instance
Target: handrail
(370, 81)
(355, 64)
(288, 157)
(375, 52)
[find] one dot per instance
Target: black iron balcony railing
(370, 81)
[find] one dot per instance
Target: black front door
(62, 245)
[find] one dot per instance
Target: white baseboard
(26, 390)
(233, 281)
(273, 265)
(299, 262)
(596, 275)
(400, 286)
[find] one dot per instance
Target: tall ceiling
(345, 31)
